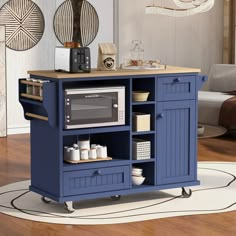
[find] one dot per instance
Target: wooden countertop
(119, 72)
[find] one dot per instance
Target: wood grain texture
(119, 72)
(3, 112)
(14, 166)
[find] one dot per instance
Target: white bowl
(137, 173)
(137, 169)
(137, 180)
(140, 96)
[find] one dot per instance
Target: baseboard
(24, 129)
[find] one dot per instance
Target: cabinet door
(176, 142)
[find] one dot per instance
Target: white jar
(74, 154)
(84, 144)
(102, 152)
(93, 154)
(84, 154)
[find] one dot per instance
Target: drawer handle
(161, 116)
(98, 172)
(177, 80)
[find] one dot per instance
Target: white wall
(41, 57)
(193, 41)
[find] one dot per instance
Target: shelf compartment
(145, 109)
(141, 149)
(117, 143)
(148, 172)
(43, 108)
(145, 84)
(146, 137)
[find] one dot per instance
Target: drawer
(176, 88)
(96, 180)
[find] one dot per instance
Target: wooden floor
(14, 166)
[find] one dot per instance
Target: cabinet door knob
(177, 80)
(161, 116)
(115, 106)
(98, 172)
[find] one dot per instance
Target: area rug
(212, 132)
(216, 194)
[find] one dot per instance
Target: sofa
(222, 80)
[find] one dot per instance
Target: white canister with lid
(84, 144)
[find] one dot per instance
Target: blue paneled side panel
(45, 161)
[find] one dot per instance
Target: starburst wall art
(24, 23)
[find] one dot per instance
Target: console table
(172, 104)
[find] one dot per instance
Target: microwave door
(86, 109)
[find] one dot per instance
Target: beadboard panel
(41, 57)
(3, 121)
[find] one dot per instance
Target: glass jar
(136, 53)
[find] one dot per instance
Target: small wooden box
(141, 122)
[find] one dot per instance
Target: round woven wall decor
(24, 24)
(76, 21)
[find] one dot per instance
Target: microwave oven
(94, 107)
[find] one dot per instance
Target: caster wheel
(186, 194)
(45, 200)
(69, 207)
(115, 197)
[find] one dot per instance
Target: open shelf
(117, 143)
(43, 107)
(148, 172)
(145, 84)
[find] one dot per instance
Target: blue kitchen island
(172, 108)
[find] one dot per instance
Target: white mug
(74, 155)
(93, 154)
(102, 152)
(84, 154)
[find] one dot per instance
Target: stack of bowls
(137, 176)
